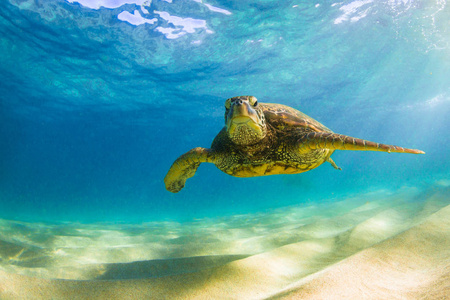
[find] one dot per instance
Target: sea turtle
(267, 139)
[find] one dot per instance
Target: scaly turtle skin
(267, 139)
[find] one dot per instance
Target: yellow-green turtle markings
(267, 139)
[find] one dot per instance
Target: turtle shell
(283, 117)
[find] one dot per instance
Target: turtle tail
(334, 141)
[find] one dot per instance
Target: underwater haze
(98, 98)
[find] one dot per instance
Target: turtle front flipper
(334, 141)
(185, 167)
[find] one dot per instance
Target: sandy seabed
(379, 245)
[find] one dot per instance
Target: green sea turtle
(267, 139)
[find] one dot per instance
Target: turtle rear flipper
(334, 141)
(185, 167)
(331, 161)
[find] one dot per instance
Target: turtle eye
(252, 100)
(228, 104)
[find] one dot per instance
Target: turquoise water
(98, 98)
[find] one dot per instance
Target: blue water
(98, 98)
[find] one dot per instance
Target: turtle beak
(243, 121)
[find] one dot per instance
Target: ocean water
(98, 98)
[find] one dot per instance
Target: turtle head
(244, 120)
